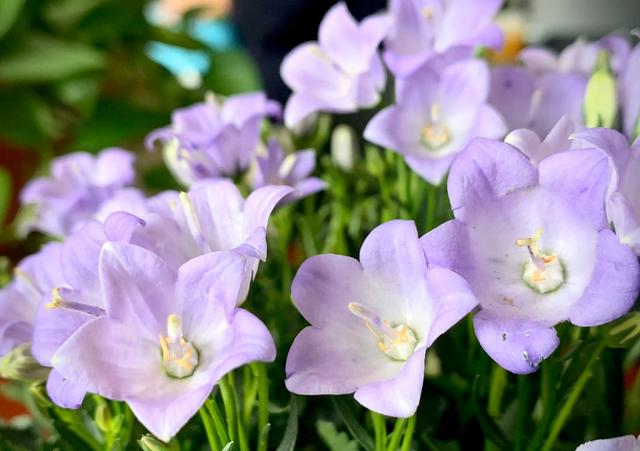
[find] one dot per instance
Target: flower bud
(344, 147)
(150, 443)
(601, 96)
(19, 364)
(103, 417)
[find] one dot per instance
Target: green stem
(522, 411)
(229, 408)
(263, 405)
(432, 199)
(572, 398)
(408, 434)
(497, 385)
(208, 427)
(380, 430)
(240, 427)
(548, 388)
(218, 421)
(398, 429)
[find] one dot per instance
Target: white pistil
(398, 342)
(179, 357)
(543, 272)
(435, 135)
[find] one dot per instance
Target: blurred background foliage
(75, 75)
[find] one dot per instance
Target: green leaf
(356, 429)
(9, 11)
(288, 442)
(5, 194)
(26, 119)
(66, 13)
(232, 72)
(43, 59)
(334, 439)
(601, 96)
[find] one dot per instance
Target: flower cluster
(141, 299)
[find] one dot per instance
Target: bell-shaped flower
(166, 337)
(79, 184)
(623, 205)
(422, 29)
(436, 115)
(535, 247)
(294, 170)
(372, 320)
(215, 138)
(339, 73)
(34, 278)
(580, 57)
(536, 103)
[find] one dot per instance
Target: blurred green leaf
(9, 11)
(288, 442)
(232, 72)
(334, 439)
(66, 13)
(45, 59)
(5, 194)
(26, 119)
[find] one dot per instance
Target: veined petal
(64, 392)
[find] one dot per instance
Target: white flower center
(436, 134)
(397, 342)
(543, 272)
(179, 357)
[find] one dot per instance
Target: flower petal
(487, 169)
(516, 345)
(447, 246)
(64, 392)
(614, 285)
(397, 397)
(582, 177)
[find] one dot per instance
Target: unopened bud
(103, 417)
(19, 364)
(344, 147)
(150, 443)
(601, 96)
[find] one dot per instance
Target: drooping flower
(372, 320)
(535, 247)
(340, 73)
(34, 278)
(79, 184)
(214, 138)
(436, 115)
(423, 29)
(166, 338)
(558, 140)
(623, 205)
(626, 443)
(294, 169)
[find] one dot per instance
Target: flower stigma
(543, 272)
(435, 135)
(397, 342)
(179, 357)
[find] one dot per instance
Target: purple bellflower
(536, 103)
(78, 185)
(215, 138)
(535, 247)
(436, 115)
(579, 57)
(423, 29)
(276, 168)
(372, 320)
(166, 338)
(623, 205)
(34, 278)
(626, 443)
(340, 73)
